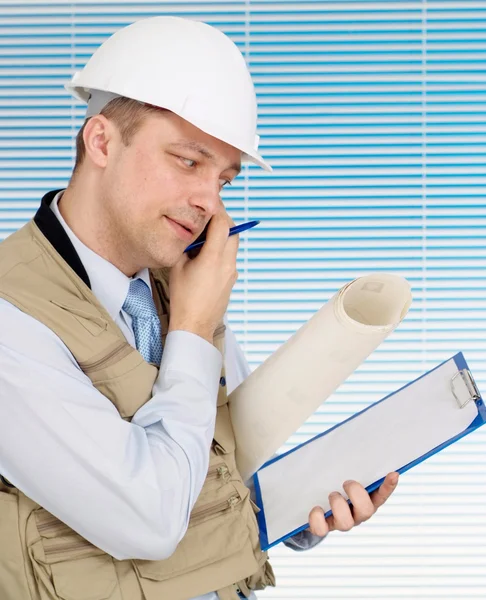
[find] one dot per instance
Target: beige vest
(41, 558)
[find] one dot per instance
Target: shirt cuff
(304, 540)
(188, 352)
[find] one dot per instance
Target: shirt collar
(108, 283)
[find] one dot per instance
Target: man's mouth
(184, 229)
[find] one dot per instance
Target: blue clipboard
(469, 396)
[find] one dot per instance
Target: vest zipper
(121, 350)
(218, 471)
(61, 545)
(197, 515)
(52, 525)
(62, 548)
(214, 508)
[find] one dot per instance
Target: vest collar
(47, 222)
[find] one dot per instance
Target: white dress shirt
(128, 488)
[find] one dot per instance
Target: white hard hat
(185, 66)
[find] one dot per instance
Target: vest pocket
(91, 578)
(110, 356)
(80, 578)
(66, 566)
(212, 537)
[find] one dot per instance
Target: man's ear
(97, 135)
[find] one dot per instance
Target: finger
(363, 507)
(232, 243)
(341, 518)
(317, 522)
(381, 495)
(192, 254)
(217, 234)
(230, 220)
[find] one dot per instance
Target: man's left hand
(344, 517)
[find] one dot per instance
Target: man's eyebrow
(197, 147)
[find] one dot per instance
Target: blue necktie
(140, 305)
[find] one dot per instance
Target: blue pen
(232, 231)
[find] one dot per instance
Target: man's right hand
(200, 287)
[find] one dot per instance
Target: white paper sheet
(284, 391)
(386, 437)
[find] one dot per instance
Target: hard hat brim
(83, 94)
(258, 160)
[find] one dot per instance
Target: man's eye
(224, 182)
(188, 162)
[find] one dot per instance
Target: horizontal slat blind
(373, 116)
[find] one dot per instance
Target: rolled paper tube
(291, 384)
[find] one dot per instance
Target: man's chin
(166, 261)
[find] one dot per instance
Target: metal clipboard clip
(471, 387)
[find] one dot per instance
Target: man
(116, 448)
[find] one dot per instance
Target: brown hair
(128, 116)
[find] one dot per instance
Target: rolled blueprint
(291, 384)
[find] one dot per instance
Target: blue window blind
(373, 115)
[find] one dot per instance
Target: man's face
(171, 171)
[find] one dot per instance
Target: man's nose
(206, 197)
